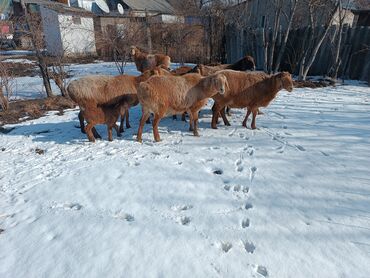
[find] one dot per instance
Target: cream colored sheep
(164, 95)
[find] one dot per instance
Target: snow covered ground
(291, 199)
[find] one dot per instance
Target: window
(76, 20)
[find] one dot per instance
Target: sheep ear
(227, 84)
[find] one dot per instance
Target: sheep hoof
(191, 129)
(214, 127)
(253, 127)
(128, 126)
(119, 135)
(121, 130)
(196, 134)
(228, 124)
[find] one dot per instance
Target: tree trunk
(307, 65)
(274, 35)
(286, 36)
(40, 58)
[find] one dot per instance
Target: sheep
(245, 63)
(176, 94)
(181, 70)
(90, 91)
(145, 61)
(104, 114)
(259, 91)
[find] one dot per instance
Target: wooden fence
(355, 50)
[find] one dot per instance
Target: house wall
(77, 34)
(52, 36)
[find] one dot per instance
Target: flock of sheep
(102, 99)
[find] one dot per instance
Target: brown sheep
(163, 95)
(145, 61)
(90, 91)
(244, 64)
(103, 114)
(260, 92)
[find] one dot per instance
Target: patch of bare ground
(313, 84)
(32, 109)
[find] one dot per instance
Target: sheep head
(219, 83)
(133, 50)
(286, 80)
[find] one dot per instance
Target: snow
(290, 199)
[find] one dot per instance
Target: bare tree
(337, 61)
(289, 18)
(315, 9)
(6, 86)
(35, 33)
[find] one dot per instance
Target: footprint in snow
(124, 216)
(68, 206)
(299, 147)
(249, 247)
(252, 173)
(217, 171)
(248, 206)
(262, 270)
(232, 132)
(183, 220)
(245, 223)
(281, 149)
(224, 246)
(239, 188)
(181, 207)
(238, 165)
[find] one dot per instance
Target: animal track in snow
(252, 173)
(124, 216)
(181, 207)
(217, 171)
(248, 206)
(238, 165)
(183, 220)
(232, 132)
(225, 246)
(262, 270)
(68, 206)
(281, 148)
(245, 223)
(249, 246)
(299, 147)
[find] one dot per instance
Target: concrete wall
(77, 34)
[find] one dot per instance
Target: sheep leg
(174, 117)
(195, 120)
(183, 117)
(215, 112)
(246, 118)
(228, 109)
(191, 121)
(96, 134)
(157, 118)
(144, 117)
(122, 121)
(110, 136)
(127, 119)
(253, 126)
(82, 122)
(115, 126)
(223, 115)
(89, 133)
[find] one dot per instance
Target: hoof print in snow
(262, 271)
(245, 223)
(225, 246)
(227, 187)
(181, 207)
(3, 149)
(218, 172)
(299, 147)
(184, 220)
(248, 206)
(249, 247)
(1, 231)
(73, 206)
(124, 216)
(39, 151)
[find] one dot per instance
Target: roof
(60, 8)
(161, 6)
